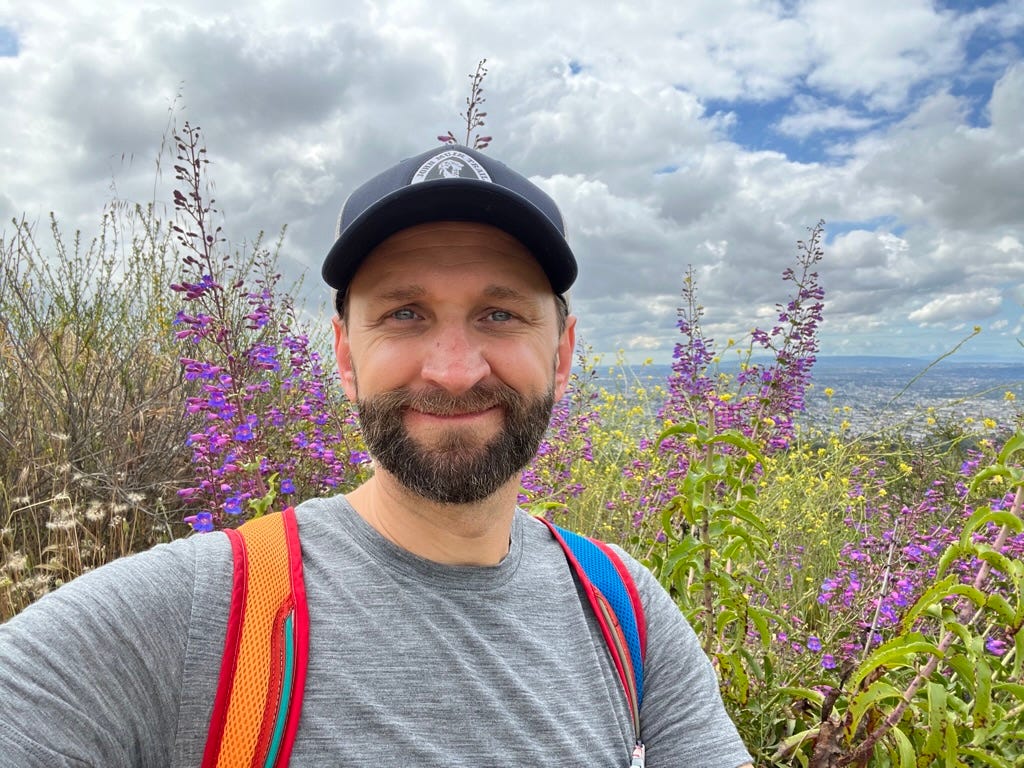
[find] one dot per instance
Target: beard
(458, 467)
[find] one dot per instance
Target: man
(445, 626)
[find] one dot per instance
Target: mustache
(441, 403)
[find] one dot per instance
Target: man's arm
(91, 673)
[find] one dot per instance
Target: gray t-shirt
(411, 662)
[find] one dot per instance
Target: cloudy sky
(709, 133)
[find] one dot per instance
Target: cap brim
(452, 200)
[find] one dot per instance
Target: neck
(451, 534)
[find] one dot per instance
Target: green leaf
(680, 553)
(689, 428)
(986, 475)
(749, 517)
(964, 634)
(738, 440)
(964, 669)
(953, 551)
(1014, 689)
(754, 666)
(804, 693)
(952, 744)
(933, 594)
(998, 561)
(1005, 517)
(863, 701)
(986, 757)
(899, 651)
(982, 713)
(908, 757)
(1010, 447)
(936, 718)
(724, 618)
(760, 621)
(1003, 609)
(1018, 654)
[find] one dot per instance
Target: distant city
(885, 392)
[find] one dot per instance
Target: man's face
(452, 352)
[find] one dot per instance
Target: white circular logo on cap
(452, 164)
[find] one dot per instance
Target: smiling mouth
(454, 414)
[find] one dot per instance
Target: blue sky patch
(754, 128)
(888, 223)
(575, 67)
(8, 42)
(987, 53)
(965, 5)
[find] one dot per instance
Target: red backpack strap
(615, 600)
(263, 670)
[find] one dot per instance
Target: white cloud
(958, 308)
(879, 50)
(1008, 244)
(299, 104)
(812, 116)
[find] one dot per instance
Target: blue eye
(500, 315)
(403, 314)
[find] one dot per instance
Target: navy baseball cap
(450, 183)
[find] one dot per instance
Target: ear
(343, 356)
(564, 356)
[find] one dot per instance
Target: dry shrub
(92, 440)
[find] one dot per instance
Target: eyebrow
(403, 293)
(504, 292)
(416, 291)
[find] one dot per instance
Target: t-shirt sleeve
(91, 673)
(683, 720)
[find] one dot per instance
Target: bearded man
(445, 625)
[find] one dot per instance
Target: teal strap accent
(286, 692)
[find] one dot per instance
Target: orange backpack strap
(263, 670)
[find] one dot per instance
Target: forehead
(450, 250)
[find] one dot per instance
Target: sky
(704, 134)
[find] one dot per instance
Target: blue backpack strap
(613, 595)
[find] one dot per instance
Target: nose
(454, 360)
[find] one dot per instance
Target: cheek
(382, 367)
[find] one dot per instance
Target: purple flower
(287, 486)
(828, 661)
(995, 646)
(201, 522)
(813, 644)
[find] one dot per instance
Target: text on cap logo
(450, 165)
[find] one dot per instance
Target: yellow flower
(989, 423)
(1009, 397)
(829, 391)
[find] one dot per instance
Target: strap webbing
(613, 596)
(259, 693)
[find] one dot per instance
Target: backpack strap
(263, 670)
(613, 595)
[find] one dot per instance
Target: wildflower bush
(861, 595)
(269, 423)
